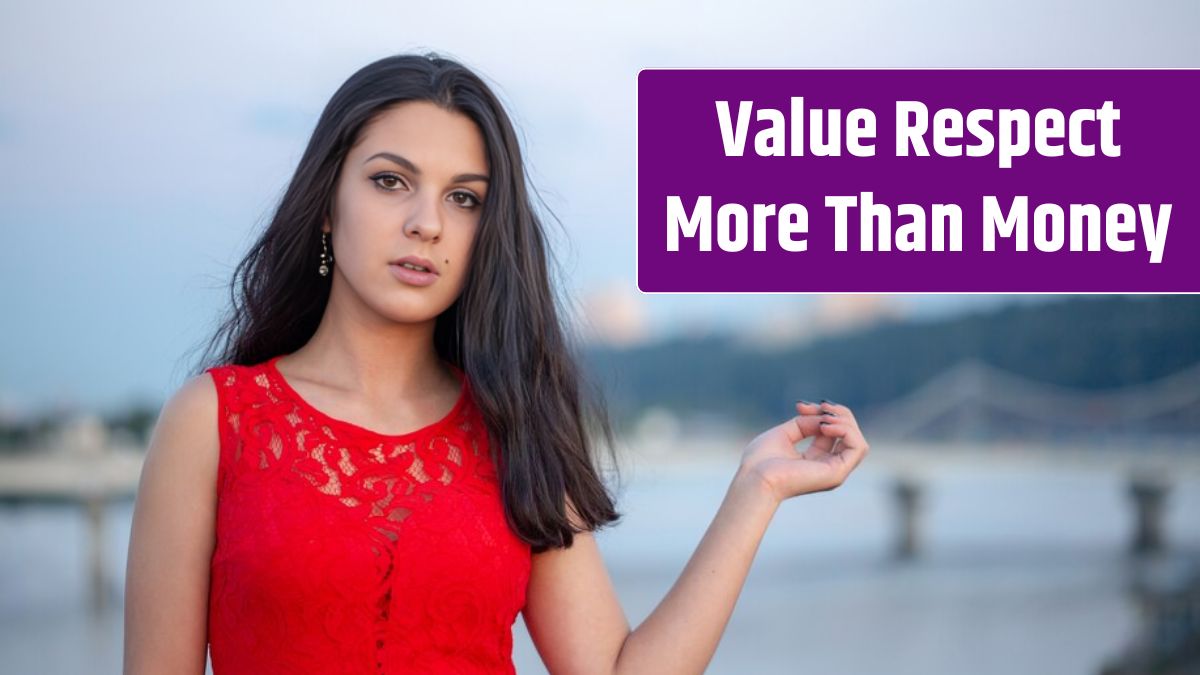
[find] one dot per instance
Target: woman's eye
(465, 199)
(395, 184)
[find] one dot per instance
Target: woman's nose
(425, 221)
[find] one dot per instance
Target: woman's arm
(171, 543)
(572, 611)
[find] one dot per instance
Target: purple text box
(682, 156)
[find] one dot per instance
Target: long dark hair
(503, 331)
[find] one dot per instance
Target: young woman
(393, 455)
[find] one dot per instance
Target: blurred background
(1032, 499)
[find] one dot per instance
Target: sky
(143, 146)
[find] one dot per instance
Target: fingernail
(825, 400)
(831, 414)
(804, 402)
(824, 423)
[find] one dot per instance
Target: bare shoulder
(180, 469)
(186, 434)
(194, 398)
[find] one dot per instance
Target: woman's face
(413, 185)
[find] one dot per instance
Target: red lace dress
(343, 550)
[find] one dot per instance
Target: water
(1022, 570)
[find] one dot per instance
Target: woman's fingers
(800, 427)
(827, 410)
(847, 430)
(808, 407)
(851, 445)
(834, 432)
(810, 418)
(835, 421)
(831, 409)
(838, 421)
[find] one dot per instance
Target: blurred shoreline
(1023, 567)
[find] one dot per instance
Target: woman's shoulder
(193, 407)
(184, 450)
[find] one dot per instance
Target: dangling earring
(326, 259)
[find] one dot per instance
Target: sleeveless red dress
(343, 550)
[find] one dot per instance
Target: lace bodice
(343, 550)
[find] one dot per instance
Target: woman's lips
(412, 277)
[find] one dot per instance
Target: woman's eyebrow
(460, 178)
(469, 177)
(397, 159)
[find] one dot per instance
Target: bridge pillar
(94, 507)
(1148, 494)
(907, 494)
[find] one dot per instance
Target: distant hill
(1084, 342)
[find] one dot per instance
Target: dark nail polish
(804, 402)
(830, 414)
